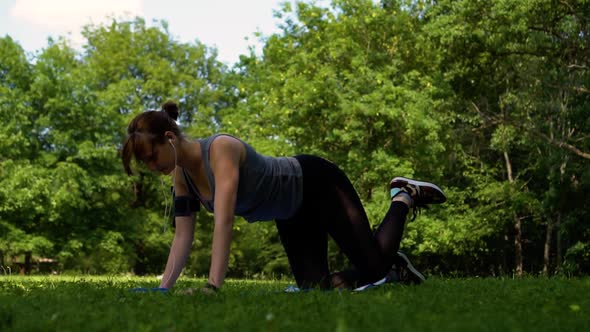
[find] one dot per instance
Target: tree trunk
(140, 267)
(559, 257)
(26, 267)
(517, 224)
(508, 167)
(547, 250)
(554, 226)
(518, 245)
(558, 260)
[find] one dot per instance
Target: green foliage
(110, 254)
(489, 99)
(64, 182)
(577, 258)
(16, 241)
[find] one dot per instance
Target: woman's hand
(208, 289)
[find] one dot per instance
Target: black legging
(332, 206)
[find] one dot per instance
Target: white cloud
(69, 15)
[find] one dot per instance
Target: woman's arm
(226, 154)
(183, 238)
(179, 251)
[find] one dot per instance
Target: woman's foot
(407, 273)
(422, 193)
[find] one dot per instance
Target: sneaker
(292, 289)
(393, 277)
(406, 272)
(371, 285)
(422, 193)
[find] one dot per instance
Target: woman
(308, 198)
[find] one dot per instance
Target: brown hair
(147, 129)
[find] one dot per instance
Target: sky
(227, 25)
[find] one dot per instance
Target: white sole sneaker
(292, 289)
(371, 285)
(411, 267)
(420, 191)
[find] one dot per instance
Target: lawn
(87, 303)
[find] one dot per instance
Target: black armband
(185, 206)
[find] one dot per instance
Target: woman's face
(161, 158)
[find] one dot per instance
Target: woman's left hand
(193, 291)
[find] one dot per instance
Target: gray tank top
(269, 187)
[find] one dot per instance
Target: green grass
(106, 304)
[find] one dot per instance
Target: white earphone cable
(169, 205)
(168, 210)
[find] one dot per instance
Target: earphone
(168, 207)
(175, 163)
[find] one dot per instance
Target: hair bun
(171, 109)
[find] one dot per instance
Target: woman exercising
(307, 196)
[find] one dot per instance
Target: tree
(516, 65)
